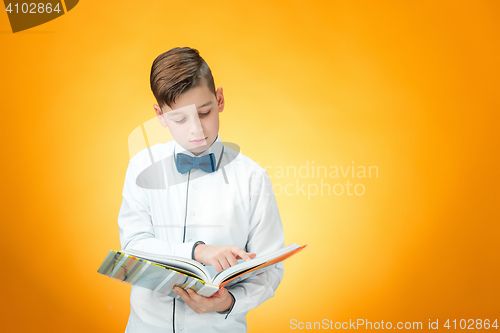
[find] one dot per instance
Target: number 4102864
(471, 324)
(33, 8)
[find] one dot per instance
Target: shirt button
(193, 213)
(181, 327)
(195, 186)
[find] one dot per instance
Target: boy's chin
(198, 149)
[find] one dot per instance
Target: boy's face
(193, 119)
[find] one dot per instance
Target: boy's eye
(199, 114)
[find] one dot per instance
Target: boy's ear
(159, 115)
(220, 99)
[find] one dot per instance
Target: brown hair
(177, 71)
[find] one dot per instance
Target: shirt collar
(215, 147)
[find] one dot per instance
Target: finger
(215, 264)
(186, 297)
(183, 294)
(221, 292)
(250, 255)
(195, 297)
(203, 304)
(218, 295)
(224, 263)
(231, 260)
(242, 254)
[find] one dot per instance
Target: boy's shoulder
(241, 162)
(150, 155)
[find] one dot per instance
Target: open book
(162, 273)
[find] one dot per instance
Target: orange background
(411, 88)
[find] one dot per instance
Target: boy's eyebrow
(207, 103)
(173, 113)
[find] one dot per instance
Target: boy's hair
(177, 71)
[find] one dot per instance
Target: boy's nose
(196, 128)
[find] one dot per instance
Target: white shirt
(166, 212)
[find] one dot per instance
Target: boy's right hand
(220, 257)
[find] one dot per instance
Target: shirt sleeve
(135, 223)
(266, 235)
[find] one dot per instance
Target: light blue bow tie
(184, 162)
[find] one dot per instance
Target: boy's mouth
(198, 141)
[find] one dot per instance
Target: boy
(200, 200)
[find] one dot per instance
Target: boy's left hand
(220, 301)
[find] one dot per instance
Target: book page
(248, 265)
(185, 264)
